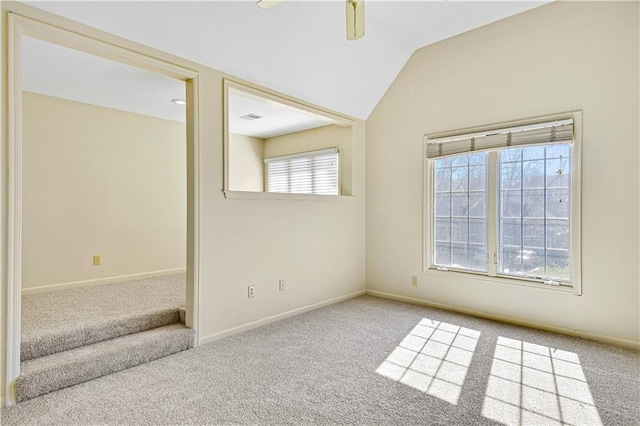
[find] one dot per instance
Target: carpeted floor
(62, 320)
(364, 361)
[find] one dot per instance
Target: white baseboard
(277, 317)
(107, 280)
(560, 330)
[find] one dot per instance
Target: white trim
(509, 320)
(105, 280)
(192, 316)
(576, 204)
(14, 209)
(94, 45)
(278, 317)
(499, 279)
(285, 196)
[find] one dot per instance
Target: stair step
(60, 370)
(73, 334)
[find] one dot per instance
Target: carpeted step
(74, 334)
(60, 320)
(64, 369)
(183, 314)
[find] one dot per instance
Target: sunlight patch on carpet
(433, 358)
(535, 384)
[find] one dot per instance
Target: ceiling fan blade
(268, 4)
(355, 19)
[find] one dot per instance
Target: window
(315, 172)
(505, 203)
(535, 219)
(460, 212)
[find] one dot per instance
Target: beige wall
(314, 139)
(317, 245)
(99, 181)
(560, 57)
(246, 163)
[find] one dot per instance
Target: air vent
(250, 117)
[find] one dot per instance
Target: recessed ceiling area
(274, 119)
(298, 48)
(53, 70)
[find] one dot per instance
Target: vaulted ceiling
(298, 48)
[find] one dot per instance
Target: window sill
(248, 195)
(522, 282)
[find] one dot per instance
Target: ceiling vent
(250, 117)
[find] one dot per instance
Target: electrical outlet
(414, 280)
(251, 291)
(97, 260)
(281, 284)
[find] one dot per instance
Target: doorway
(22, 32)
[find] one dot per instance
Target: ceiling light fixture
(268, 4)
(179, 101)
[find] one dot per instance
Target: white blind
(535, 134)
(315, 172)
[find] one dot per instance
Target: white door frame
(21, 26)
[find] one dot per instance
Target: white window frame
(492, 275)
(305, 154)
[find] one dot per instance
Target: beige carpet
(364, 361)
(61, 320)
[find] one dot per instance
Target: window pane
(533, 262)
(532, 173)
(478, 159)
(443, 205)
(511, 261)
(511, 175)
(557, 234)
(477, 231)
(533, 203)
(460, 230)
(460, 204)
(443, 229)
(460, 254)
(510, 203)
(558, 264)
(477, 201)
(460, 178)
(443, 253)
(558, 203)
(443, 162)
(533, 153)
(558, 173)
(534, 196)
(511, 155)
(478, 257)
(443, 179)
(460, 160)
(533, 233)
(477, 177)
(460, 212)
(511, 234)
